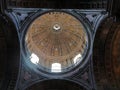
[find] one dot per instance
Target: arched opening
(56, 67)
(34, 58)
(55, 85)
(77, 58)
(9, 54)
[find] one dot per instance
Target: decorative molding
(94, 17)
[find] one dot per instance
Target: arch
(55, 85)
(10, 55)
(103, 62)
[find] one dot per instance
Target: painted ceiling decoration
(57, 37)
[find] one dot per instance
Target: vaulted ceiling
(106, 51)
(106, 56)
(55, 85)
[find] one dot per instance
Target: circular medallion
(56, 41)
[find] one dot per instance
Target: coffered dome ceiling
(56, 38)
